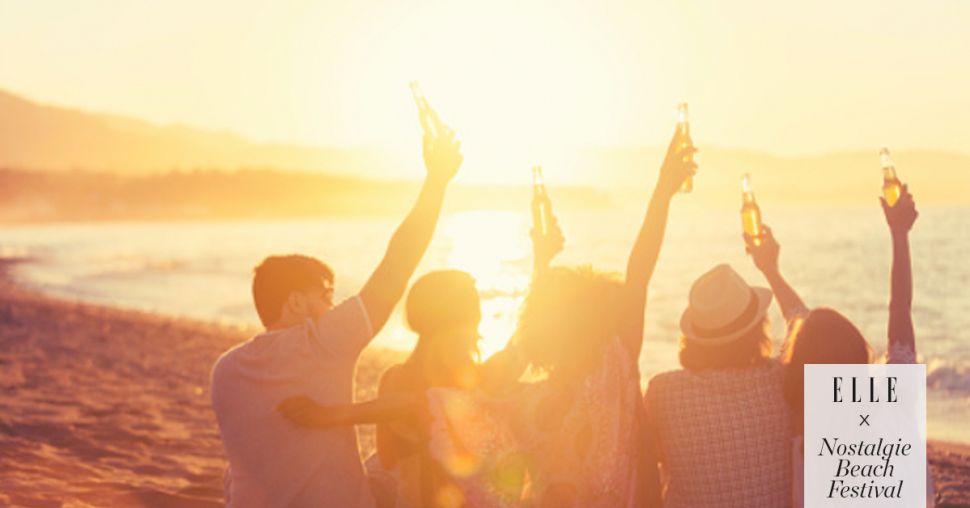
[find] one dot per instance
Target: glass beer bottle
(684, 127)
(750, 213)
(541, 205)
(891, 187)
(427, 116)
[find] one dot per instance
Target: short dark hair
(278, 276)
(750, 349)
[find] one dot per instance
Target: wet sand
(106, 407)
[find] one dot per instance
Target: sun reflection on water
(494, 247)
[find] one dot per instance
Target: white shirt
(272, 461)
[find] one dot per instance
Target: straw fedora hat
(722, 307)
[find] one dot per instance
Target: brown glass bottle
(541, 205)
(684, 127)
(891, 188)
(750, 212)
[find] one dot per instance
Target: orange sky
(514, 77)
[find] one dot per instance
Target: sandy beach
(106, 407)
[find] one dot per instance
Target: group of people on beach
(558, 417)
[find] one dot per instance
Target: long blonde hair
(568, 317)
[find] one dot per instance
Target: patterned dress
(547, 445)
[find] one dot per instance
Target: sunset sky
(786, 78)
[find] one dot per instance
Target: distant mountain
(70, 196)
(41, 137)
(851, 177)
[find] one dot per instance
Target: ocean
(837, 257)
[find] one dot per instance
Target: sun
(520, 87)
(492, 246)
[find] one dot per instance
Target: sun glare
(527, 95)
(493, 246)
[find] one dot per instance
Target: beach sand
(106, 407)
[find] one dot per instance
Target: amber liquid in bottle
(750, 213)
(541, 206)
(891, 188)
(684, 127)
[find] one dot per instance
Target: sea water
(835, 257)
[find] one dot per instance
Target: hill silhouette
(842, 178)
(43, 138)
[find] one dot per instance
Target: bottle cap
(682, 112)
(885, 159)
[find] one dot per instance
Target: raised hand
(675, 169)
(765, 254)
(902, 215)
(442, 156)
(765, 257)
(547, 246)
(902, 335)
(646, 249)
(386, 286)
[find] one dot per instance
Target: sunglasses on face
(325, 292)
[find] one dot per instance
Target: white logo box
(855, 417)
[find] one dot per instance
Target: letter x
(865, 420)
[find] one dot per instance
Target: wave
(14, 253)
(944, 376)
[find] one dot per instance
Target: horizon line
(391, 148)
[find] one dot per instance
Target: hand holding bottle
(765, 252)
(678, 164)
(442, 151)
(902, 214)
(442, 157)
(546, 246)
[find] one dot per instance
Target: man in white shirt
(310, 347)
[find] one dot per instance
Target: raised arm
(503, 369)
(646, 250)
(900, 218)
(386, 286)
(545, 246)
(765, 257)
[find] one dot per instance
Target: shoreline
(110, 407)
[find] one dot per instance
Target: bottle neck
(889, 173)
(747, 198)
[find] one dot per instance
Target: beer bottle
(684, 127)
(430, 122)
(890, 182)
(541, 205)
(750, 213)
